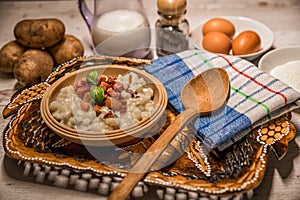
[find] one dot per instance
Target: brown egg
(216, 42)
(219, 24)
(246, 42)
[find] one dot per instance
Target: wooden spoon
(201, 95)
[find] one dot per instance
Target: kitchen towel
(255, 96)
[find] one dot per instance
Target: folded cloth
(255, 96)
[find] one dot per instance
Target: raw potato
(9, 55)
(39, 33)
(33, 67)
(70, 47)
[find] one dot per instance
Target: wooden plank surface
(282, 179)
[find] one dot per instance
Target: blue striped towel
(255, 96)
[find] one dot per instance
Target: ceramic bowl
(120, 137)
(288, 59)
(241, 24)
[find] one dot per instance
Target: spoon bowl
(203, 94)
(207, 91)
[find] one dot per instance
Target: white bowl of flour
(284, 64)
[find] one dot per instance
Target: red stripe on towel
(252, 79)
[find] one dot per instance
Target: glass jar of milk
(118, 27)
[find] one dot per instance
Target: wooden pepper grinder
(172, 29)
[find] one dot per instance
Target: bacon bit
(85, 106)
(118, 86)
(113, 104)
(97, 109)
(107, 103)
(109, 91)
(111, 80)
(108, 115)
(82, 81)
(112, 95)
(86, 97)
(115, 94)
(104, 85)
(82, 90)
(79, 83)
(102, 78)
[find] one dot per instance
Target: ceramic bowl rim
(134, 130)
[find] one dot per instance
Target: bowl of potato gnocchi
(105, 105)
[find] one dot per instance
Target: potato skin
(68, 48)
(39, 33)
(9, 54)
(33, 67)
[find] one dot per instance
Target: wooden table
(282, 178)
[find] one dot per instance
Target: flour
(288, 73)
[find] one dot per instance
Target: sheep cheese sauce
(288, 73)
(130, 29)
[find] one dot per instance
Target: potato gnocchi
(133, 95)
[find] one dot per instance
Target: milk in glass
(121, 32)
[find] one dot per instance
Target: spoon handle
(147, 160)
